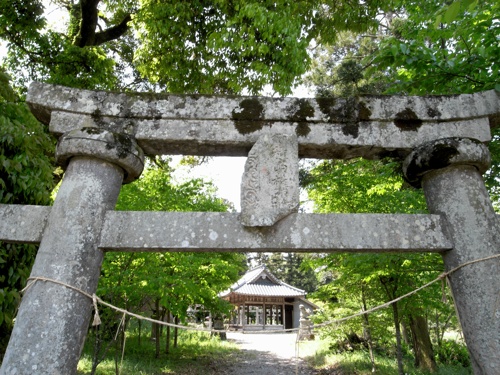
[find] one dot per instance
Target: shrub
(451, 352)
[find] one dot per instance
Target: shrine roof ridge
(248, 285)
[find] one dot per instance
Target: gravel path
(266, 354)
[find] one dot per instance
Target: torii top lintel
(368, 126)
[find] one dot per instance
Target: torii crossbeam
(104, 136)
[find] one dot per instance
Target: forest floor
(265, 354)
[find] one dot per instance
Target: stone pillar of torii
(103, 137)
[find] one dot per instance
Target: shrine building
(263, 302)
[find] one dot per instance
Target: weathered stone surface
(116, 148)
(45, 98)
(146, 231)
(53, 320)
(24, 224)
(371, 127)
(370, 139)
(458, 194)
(214, 231)
(435, 107)
(443, 153)
(270, 183)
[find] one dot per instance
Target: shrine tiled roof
(261, 282)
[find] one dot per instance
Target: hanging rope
(95, 299)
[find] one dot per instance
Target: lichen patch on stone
(407, 120)
(248, 117)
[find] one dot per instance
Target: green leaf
(438, 21)
(452, 12)
(470, 4)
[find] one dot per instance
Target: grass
(196, 353)
(358, 362)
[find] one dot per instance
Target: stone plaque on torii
(104, 136)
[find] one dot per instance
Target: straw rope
(95, 300)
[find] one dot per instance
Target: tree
(291, 268)
(25, 178)
(167, 282)
(418, 48)
(361, 186)
(177, 46)
(229, 46)
(345, 291)
(431, 49)
(185, 47)
(357, 186)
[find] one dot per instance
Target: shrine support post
(53, 320)
(449, 171)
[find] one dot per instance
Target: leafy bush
(26, 165)
(451, 352)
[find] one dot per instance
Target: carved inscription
(270, 185)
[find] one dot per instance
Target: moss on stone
(344, 111)
(298, 112)
(123, 144)
(92, 130)
(433, 112)
(351, 129)
(364, 112)
(407, 120)
(250, 117)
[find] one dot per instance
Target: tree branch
(113, 32)
(88, 36)
(88, 23)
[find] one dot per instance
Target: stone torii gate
(104, 136)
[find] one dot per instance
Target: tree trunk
(167, 345)
(140, 326)
(96, 350)
(437, 330)
(422, 346)
(390, 286)
(399, 352)
(366, 328)
(162, 318)
(157, 329)
(405, 333)
(176, 331)
(87, 35)
(441, 327)
(117, 353)
(153, 326)
(120, 345)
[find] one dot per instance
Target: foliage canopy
(216, 46)
(234, 46)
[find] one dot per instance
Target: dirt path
(266, 354)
